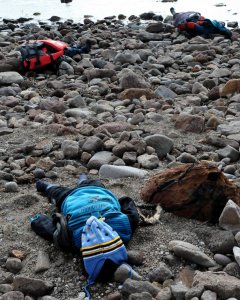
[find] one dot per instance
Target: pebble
(11, 187)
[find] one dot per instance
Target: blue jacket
(88, 201)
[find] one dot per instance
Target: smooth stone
(110, 171)
(99, 159)
(124, 272)
(10, 77)
(190, 253)
(222, 260)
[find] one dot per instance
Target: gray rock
(78, 113)
(221, 242)
(198, 88)
(199, 47)
(133, 286)
(209, 295)
(11, 187)
(122, 147)
(137, 118)
(70, 149)
(237, 238)
(109, 171)
(7, 78)
(14, 265)
(190, 123)
(77, 102)
(43, 262)
(7, 91)
(221, 259)
(232, 269)
(190, 253)
(236, 253)
(65, 69)
(178, 291)
(164, 294)
(129, 79)
(99, 73)
(99, 159)
(135, 258)
(56, 106)
(123, 272)
(165, 93)
(218, 282)
(160, 274)
(6, 277)
(92, 143)
(148, 161)
(14, 295)
(145, 36)
(229, 152)
(129, 158)
(5, 288)
(113, 127)
(230, 128)
(31, 286)
(161, 143)
(126, 57)
(186, 158)
(230, 217)
(195, 291)
(141, 296)
(220, 72)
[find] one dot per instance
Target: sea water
(225, 10)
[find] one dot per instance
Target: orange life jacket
(39, 53)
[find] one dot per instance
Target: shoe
(82, 178)
(42, 186)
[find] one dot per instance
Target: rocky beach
(145, 99)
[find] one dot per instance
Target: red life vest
(39, 53)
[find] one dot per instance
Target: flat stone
(190, 253)
(110, 171)
(224, 285)
(133, 286)
(99, 159)
(10, 77)
(31, 286)
(14, 295)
